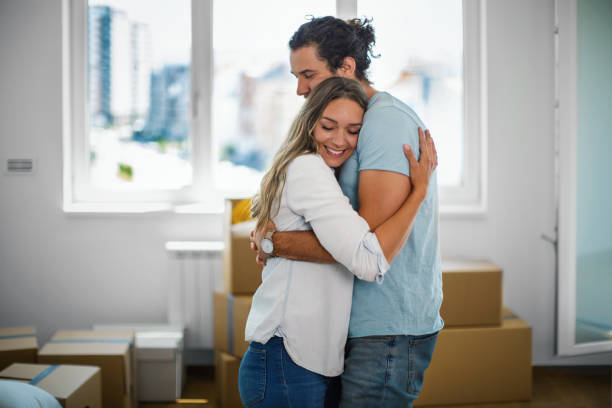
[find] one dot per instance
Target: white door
(584, 119)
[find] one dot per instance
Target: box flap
(22, 343)
(23, 371)
(97, 349)
(18, 338)
(66, 379)
(11, 331)
(127, 335)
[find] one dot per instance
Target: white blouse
(307, 303)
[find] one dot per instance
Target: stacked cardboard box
(241, 274)
(74, 386)
(159, 355)
(112, 351)
(231, 312)
(483, 354)
(17, 345)
(226, 380)
(242, 277)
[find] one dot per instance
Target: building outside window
(191, 99)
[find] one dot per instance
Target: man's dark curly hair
(337, 39)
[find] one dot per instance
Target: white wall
(69, 271)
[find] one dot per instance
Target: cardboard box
(241, 274)
(17, 345)
(480, 364)
(472, 293)
(73, 386)
(231, 312)
(107, 349)
(226, 380)
(160, 367)
(159, 353)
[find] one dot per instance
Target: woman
(299, 318)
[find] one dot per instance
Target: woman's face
(337, 131)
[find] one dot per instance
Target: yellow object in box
(17, 345)
(74, 386)
(231, 313)
(472, 293)
(226, 380)
(241, 211)
(480, 364)
(110, 350)
(241, 274)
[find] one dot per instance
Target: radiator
(194, 274)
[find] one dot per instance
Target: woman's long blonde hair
(300, 141)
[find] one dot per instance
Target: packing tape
(17, 336)
(42, 375)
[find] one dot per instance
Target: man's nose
(302, 88)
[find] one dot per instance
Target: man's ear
(347, 69)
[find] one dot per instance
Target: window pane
(420, 43)
(138, 94)
(254, 97)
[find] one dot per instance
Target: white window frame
(470, 198)
(78, 195)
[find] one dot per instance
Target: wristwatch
(267, 245)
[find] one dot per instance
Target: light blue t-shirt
(408, 301)
(16, 394)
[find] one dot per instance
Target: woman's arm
(304, 245)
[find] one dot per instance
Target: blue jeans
(385, 371)
(269, 378)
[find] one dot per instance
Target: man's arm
(296, 245)
(373, 185)
(300, 246)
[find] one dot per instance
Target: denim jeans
(385, 371)
(269, 378)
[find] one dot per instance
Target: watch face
(267, 246)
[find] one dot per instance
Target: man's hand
(256, 237)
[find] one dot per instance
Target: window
(429, 58)
(254, 99)
(138, 76)
(169, 102)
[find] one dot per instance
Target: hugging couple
(347, 226)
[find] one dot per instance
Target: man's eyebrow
(303, 72)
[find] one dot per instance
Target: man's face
(309, 69)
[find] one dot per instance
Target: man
(393, 326)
